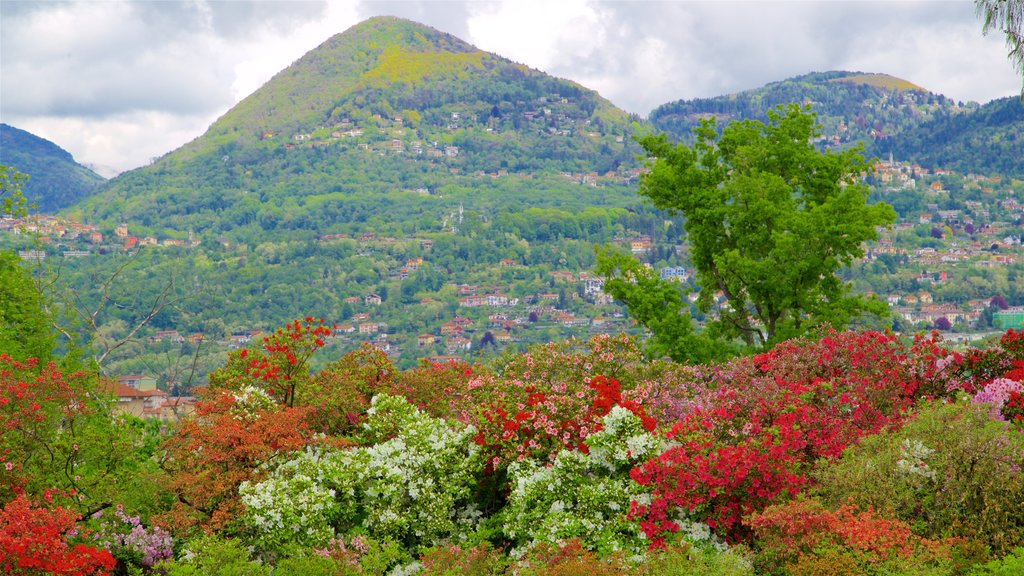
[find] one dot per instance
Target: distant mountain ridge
(55, 181)
(887, 114)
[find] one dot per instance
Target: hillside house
(456, 343)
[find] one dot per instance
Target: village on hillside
(964, 223)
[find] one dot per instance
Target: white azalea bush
(298, 502)
(585, 496)
(413, 485)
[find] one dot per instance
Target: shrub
(340, 394)
(951, 470)
(413, 483)
(129, 540)
(211, 556)
(35, 540)
(1010, 565)
(455, 560)
(803, 537)
(580, 495)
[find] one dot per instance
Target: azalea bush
(228, 440)
(129, 540)
(39, 539)
(804, 537)
(770, 417)
(340, 394)
(583, 495)
(412, 483)
(58, 432)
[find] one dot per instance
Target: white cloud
(117, 82)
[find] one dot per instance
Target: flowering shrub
(434, 387)
(280, 365)
(996, 394)
(981, 366)
(35, 540)
(457, 560)
(293, 505)
(549, 422)
(33, 401)
(340, 394)
(413, 484)
(583, 495)
(796, 536)
(950, 471)
(1013, 409)
(129, 541)
(222, 445)
(549, 390)
(768, 419)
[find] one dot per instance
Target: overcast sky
(118, 82)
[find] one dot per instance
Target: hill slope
(387, 106)
(887, 114)
(55, 179)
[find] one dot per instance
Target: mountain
(887, 114)
(987, 140)
(56, 181)
(388, 111)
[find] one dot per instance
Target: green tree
(657, 306)
(25, 329)
(12, 201)
(770, 219)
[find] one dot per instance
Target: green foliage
(656, 305)
(695, 561)
(950, 471)
(12, 198)
(25, 329)
(211, 556)
(1009, 565)
(770, 220)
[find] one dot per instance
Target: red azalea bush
(39, 406)
(437, 387)
(34, 540)
(773, 415)
(982, 365)
(223, 444)
(279, 365)
(1013, 410)
(550, 398)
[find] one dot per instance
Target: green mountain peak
(387, 105)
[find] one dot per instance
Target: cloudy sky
(118, 82)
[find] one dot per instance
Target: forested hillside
(55, 181)
(887, 114)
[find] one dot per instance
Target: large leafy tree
(771, 220)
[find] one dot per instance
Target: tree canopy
(771, 219)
